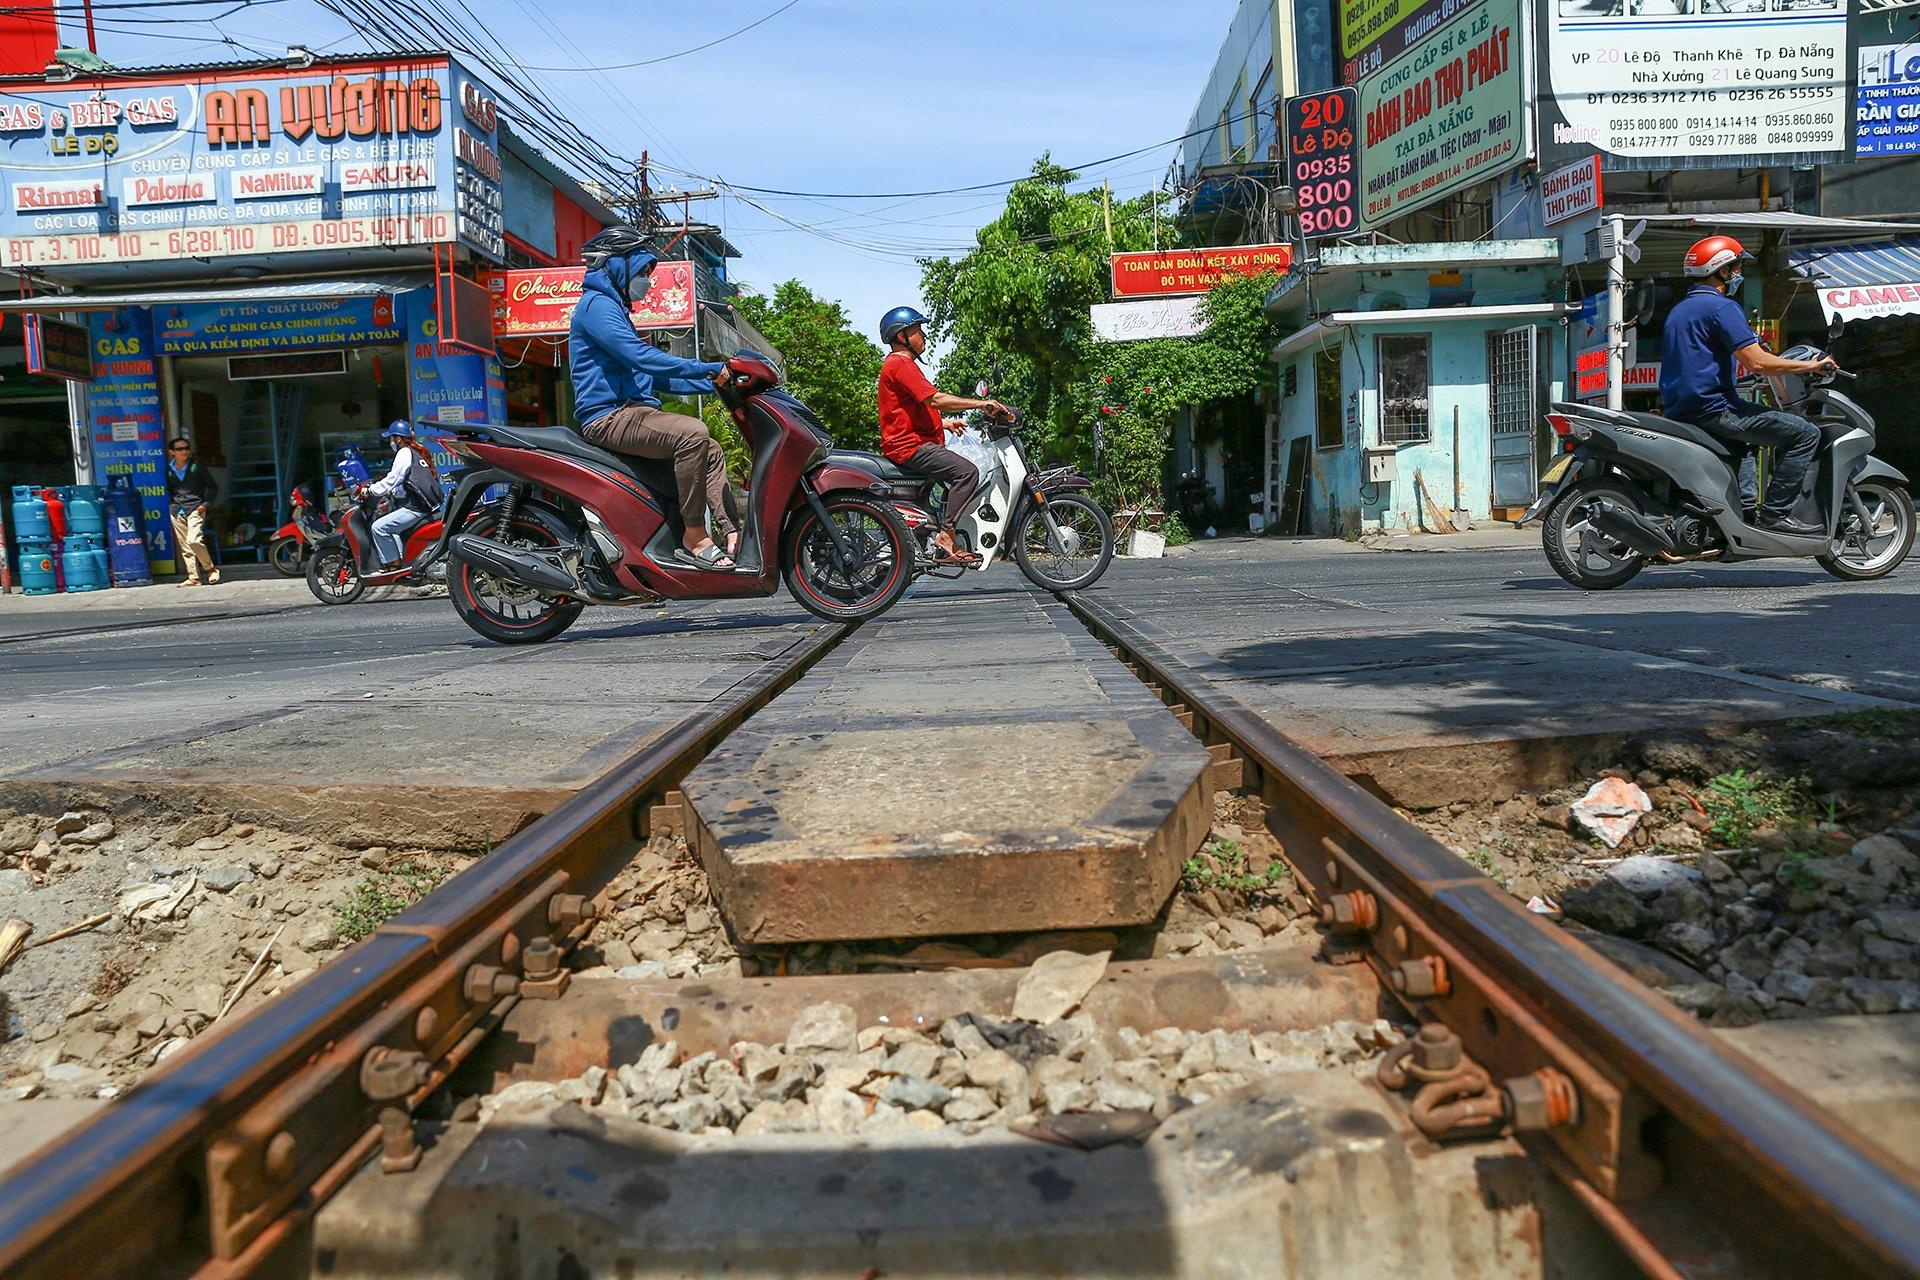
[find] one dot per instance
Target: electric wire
(669, 57)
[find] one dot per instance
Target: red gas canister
(56, 511)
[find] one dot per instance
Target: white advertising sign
(31, 195)
(1684, 80)
(1148, 318)
(1567, 193)
(1867, 301)
(195, 188)
(263, 184)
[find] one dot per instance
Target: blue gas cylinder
(36, 569)
(30, 523)
(352, 468)
(85, 518)
(126, 534)
(102, 563)
(80, 565)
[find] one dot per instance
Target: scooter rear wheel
(882, 567)
(333, 577)
(286, 556)
(506, 612)
(1582, 554)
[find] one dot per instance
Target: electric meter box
(1383, 464)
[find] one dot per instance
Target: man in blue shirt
(1707, 335)
(615, 377)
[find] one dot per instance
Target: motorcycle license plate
(1559, 468)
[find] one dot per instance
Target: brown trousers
(699, 464)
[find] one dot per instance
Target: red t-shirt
(906, 420)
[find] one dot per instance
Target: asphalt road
(1399, 630)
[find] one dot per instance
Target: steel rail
(215, 1160)
(1696, 1158)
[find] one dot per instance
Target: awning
(1803, 224)
(1330, 325)
(276, 291)
(1863, 281)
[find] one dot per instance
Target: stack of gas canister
(62, 533)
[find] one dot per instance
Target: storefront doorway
(265, 423)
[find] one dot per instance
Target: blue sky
(830, 95)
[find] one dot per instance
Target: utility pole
(1106, 209)
(1617, 315)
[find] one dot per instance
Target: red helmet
(1709, 255)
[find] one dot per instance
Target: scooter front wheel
(286, 555)
(1873, 546)
(1065, 544)
(877, 569)
(333, 577)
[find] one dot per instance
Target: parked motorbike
(1632, 489)
(346, 562)
(294, 541)
(1061, 538)
(578, 525)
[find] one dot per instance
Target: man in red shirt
(911, 427)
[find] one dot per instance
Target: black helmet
(898, 321)
(614, 242)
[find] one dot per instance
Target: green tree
(1138, 389)
(832, 368)
(1021, 298)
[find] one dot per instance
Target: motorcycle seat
(653, 474)
(1682, 431)
(871, 463)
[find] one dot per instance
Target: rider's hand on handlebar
(1825, 364)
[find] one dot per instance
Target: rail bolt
(1544, 1100)
(387, 1073)
(399, 1145)
(277, 1160)
(1436, 1052)
(543, 978)
(484, 984)
(1355, 912)
(1426, 976)
(565, 910)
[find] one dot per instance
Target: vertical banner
(29, 33)
(1888, 105)
(123, 413)
(1323, 161)
(446, 383)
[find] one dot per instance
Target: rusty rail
(213, 1163)
(1697, 1159)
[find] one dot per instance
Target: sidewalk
(1488, 537)
(243, 591)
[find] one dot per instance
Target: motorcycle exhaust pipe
(1625, 525)
(515, 564)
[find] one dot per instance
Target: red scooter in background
(345, 562)
(579, 525)
(294, 541)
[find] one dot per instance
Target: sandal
(707, 557)
(965, 559)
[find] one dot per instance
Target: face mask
(1733, 285)
(638, 289)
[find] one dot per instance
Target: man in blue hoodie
(615, 377)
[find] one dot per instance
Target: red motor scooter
(578, 525)
(345, 562)
(294, 541)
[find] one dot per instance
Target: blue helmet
(399, 427)
(898, 321)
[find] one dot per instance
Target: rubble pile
(189, 906)
(832, 1076)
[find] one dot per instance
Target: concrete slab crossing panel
(984, 767)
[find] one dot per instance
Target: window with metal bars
(1406, 367)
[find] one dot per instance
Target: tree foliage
(1021, 298)
(1138, 389)
(832, 368)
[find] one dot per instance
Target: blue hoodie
(612, 364)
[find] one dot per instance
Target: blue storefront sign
(123, 415)
(253, 163)
(1888, 109)
(445, 383)
(232, 328)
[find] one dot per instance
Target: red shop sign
(539, 301)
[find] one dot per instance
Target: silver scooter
(1632, 489)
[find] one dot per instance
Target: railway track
(1694, 1158)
